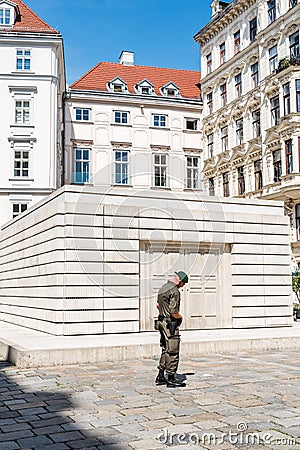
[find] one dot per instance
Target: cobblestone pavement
(247, 400)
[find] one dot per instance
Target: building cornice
(222, 20)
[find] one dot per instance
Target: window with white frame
(286, 99)
(18, 208)
(160, 170)
(144, 87)
(271, 10)
(117, 85)
(294, 45)
(224, 138)
(275, 110)
(253, 29)
(121, 175)
(209, 101)
(82, 114)
(23, 60)
(258, 178)
(238, 84)
(298, 95)
(225, 178)
(254, 75)
(277, 165)
(223, 93)
(192, 172)
(121, 117)
(256, 123)
(208, 63)
(241, 180)
(210, 145)
(289, 155)
(211, 186)
(159, 120)
(21, 163)
(237, 42)
(273, 58)
(22, 112)
(5, 16)
(81, 165)
(297, 217)
(192, 124)
(222, 53)
(239, 131)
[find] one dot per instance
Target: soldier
(169, 320)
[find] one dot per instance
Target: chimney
(217, 6)
(126, 58)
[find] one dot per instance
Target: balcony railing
(284, 63)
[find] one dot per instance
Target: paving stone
(34, 442)
(14, 435)
(9, 446)
(66, 436)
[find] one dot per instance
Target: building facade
(130, 125)
(250, 80)
(32, 84)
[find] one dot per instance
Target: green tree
(296, 283)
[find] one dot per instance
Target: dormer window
(9, 13)
(144, 87)
(117, 85)
(170, 90)
(5, 16)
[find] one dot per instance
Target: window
(241, 180)
(192, 124)
(254, 75)
(275, 111)
(22, 112)
(277, 165)
(286, 98)
(258, 174)
(210, 145)
(171, 92)
(256, 123)
(222, 53)
(210, 103)
(81, 165)
(23, 61)
(82, 114)
(298, 94)
(289, 156)
(273, 59)
(160, 170)
(239, 131)
(293, 3)
(224, 138)
(272, 10)
(121, 117)
(225, 184)
(121, 167)
(297, 214)
(211, 186)
(294, 45)
(18, 208)
(21, 163)
(118, 87)
(145, 90)
(5, 16)
(159, 120)
(253, 29)
(209, 63)
(237, 42)
(192, 172)
(238, 84)
(223, 91)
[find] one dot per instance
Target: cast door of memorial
(206, 301)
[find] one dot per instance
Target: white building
(250, 67)
(138, 126)
(32, 83)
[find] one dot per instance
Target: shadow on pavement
(42, 420)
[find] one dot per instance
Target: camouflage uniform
(168, 303)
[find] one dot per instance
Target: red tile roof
(102, 73)
(30, 22)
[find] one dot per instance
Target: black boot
(173, 383)
(160, 379)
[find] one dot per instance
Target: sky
(159, 32)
